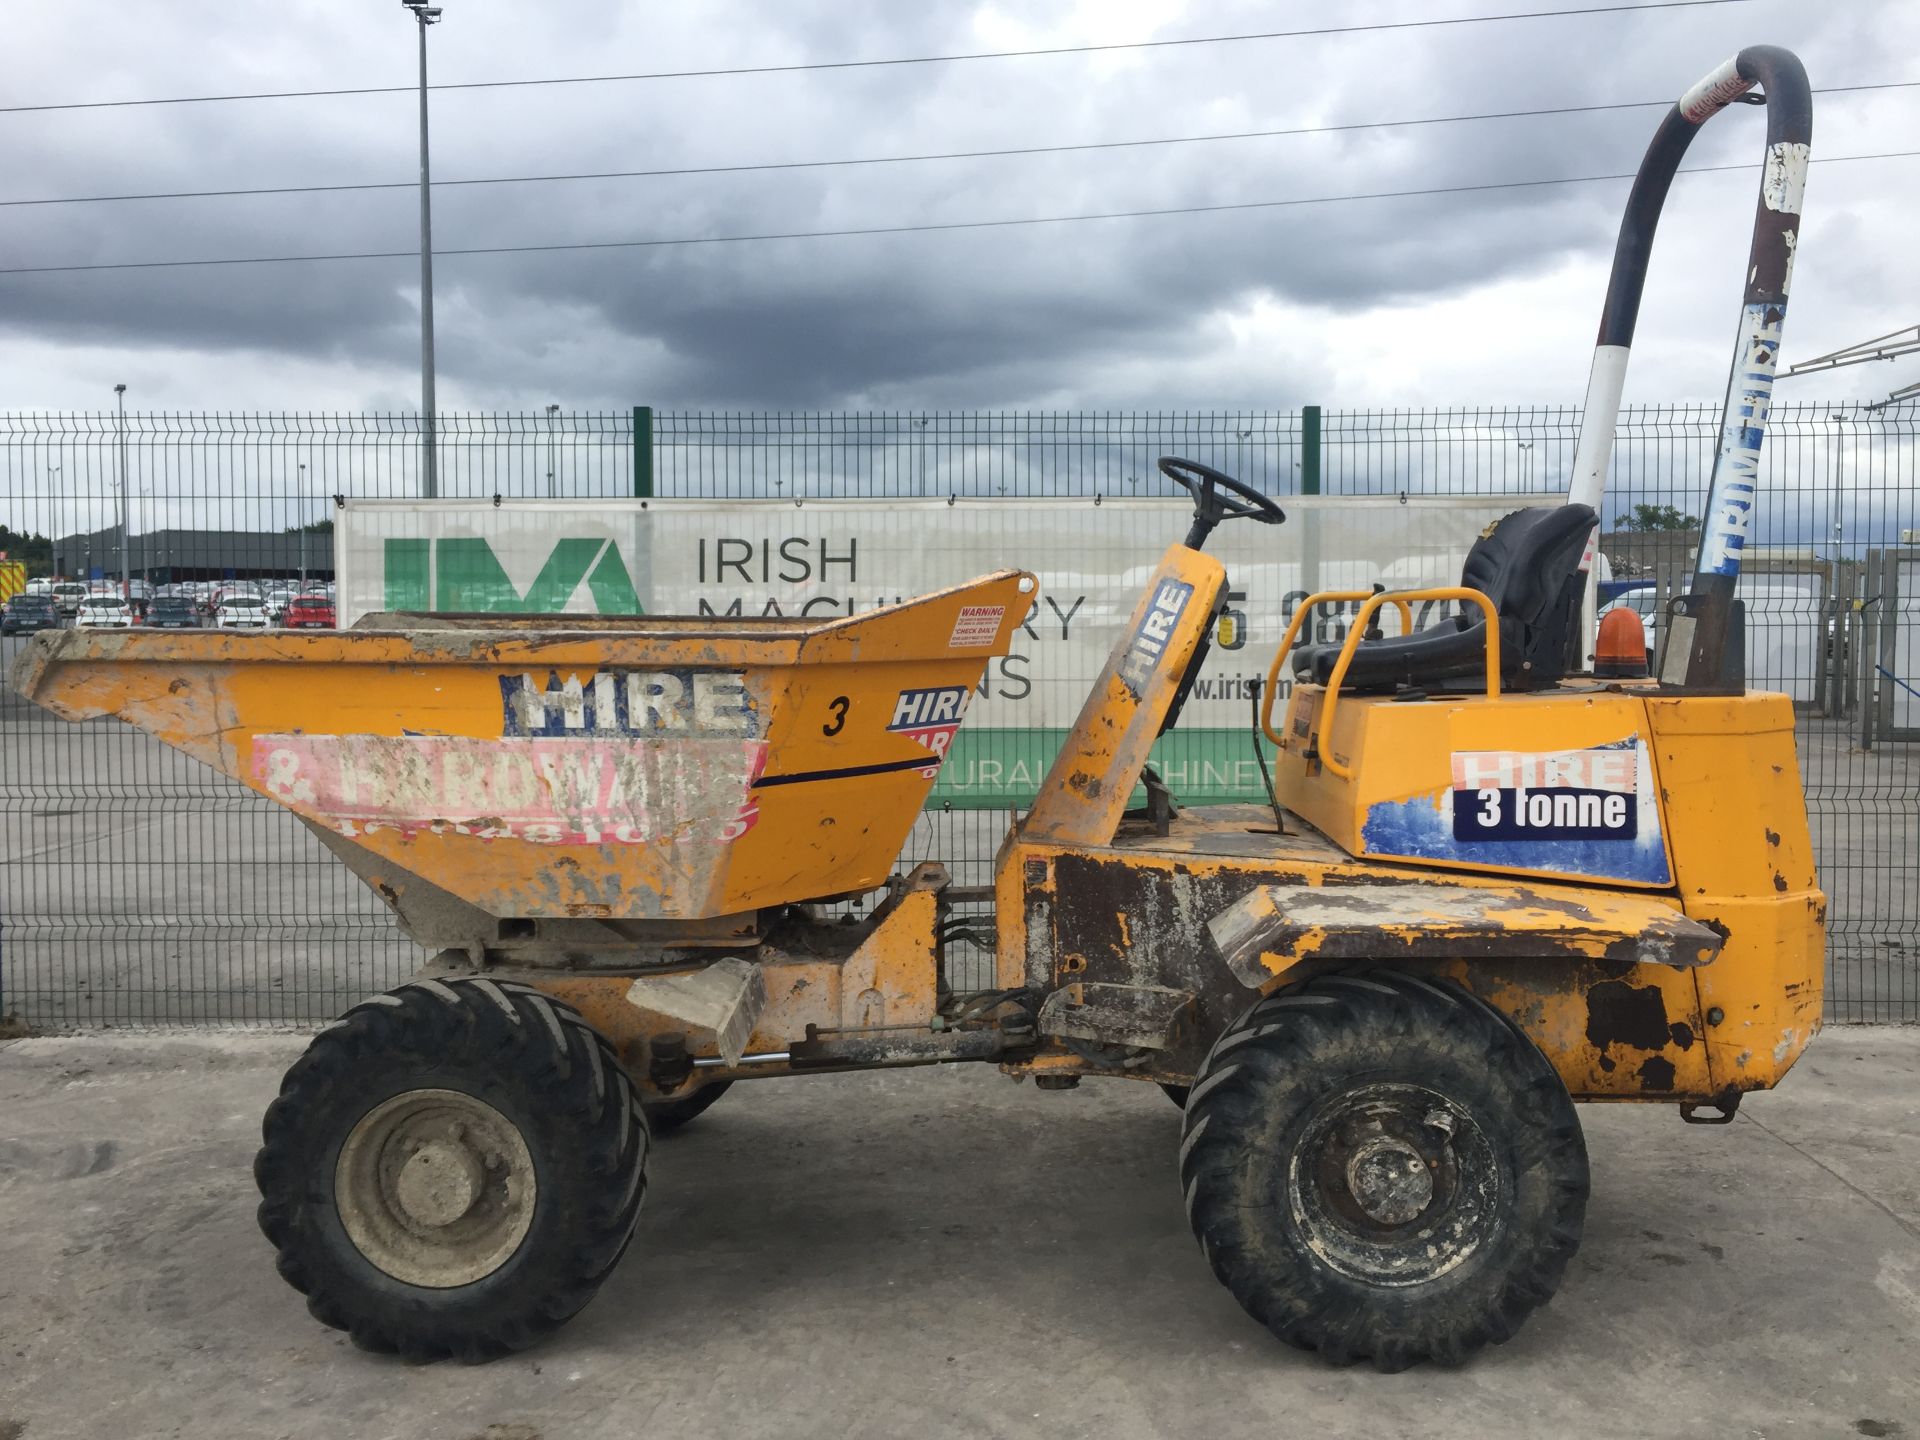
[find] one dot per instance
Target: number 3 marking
(838, 705)
(1489, 815)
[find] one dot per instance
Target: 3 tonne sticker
(1510, 795)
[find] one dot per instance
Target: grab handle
(1357, 632)
(1306, 608)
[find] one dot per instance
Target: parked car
(173, 612)
(312, 611)
(68, 594)
(27, 613)
(105, 612)
(276, 602)
(235, 589)
(241, 612)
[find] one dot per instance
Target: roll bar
(1698, 631)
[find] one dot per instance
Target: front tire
(1384, 1168)
(452, 1169)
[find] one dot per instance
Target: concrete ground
(944, 1253)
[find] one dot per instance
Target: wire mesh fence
(137, 887)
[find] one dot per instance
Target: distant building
(164, 556)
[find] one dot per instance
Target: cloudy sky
(1478, 298)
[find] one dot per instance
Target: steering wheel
(1210, 507)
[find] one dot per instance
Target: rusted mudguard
(1274, 929)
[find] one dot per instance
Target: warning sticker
(977, 625)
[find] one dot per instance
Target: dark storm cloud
(981, 317)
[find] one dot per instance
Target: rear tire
(666, 1116)
(452, 1169)
(1383, 1168)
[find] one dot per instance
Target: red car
(310, 612)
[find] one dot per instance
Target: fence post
(1310, 450)
(1887, 623)
(1867, 637)
(1310, 520)
(643, 451)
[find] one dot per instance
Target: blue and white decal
(679, 704)
(1150, 637)
(1591, 811)
(1539, 799)
(930, 717)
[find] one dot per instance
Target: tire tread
(1386, 1018)
(568, 1073)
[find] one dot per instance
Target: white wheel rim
(435, 1188)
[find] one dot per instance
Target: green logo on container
(462, 575)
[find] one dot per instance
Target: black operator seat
(1528, 564)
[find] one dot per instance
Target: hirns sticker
(930, 717)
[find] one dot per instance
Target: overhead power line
(918, 229)
(1012, 151)
(952, 59)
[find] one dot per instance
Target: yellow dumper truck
(1489, 884)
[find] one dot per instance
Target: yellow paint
(1086, 790)
(1398, 751)
(1548, 998)
(1589, 922)
(824, 698)
(296, 714)
(13, 578)
(1737, 823)
(1356, 632)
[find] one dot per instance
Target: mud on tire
(452, 1169)
(1384, 1168)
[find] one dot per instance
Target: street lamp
(126, 580)
(430, 473)
(553, 410)
(1526, 454)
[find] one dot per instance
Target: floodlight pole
(429, 459)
